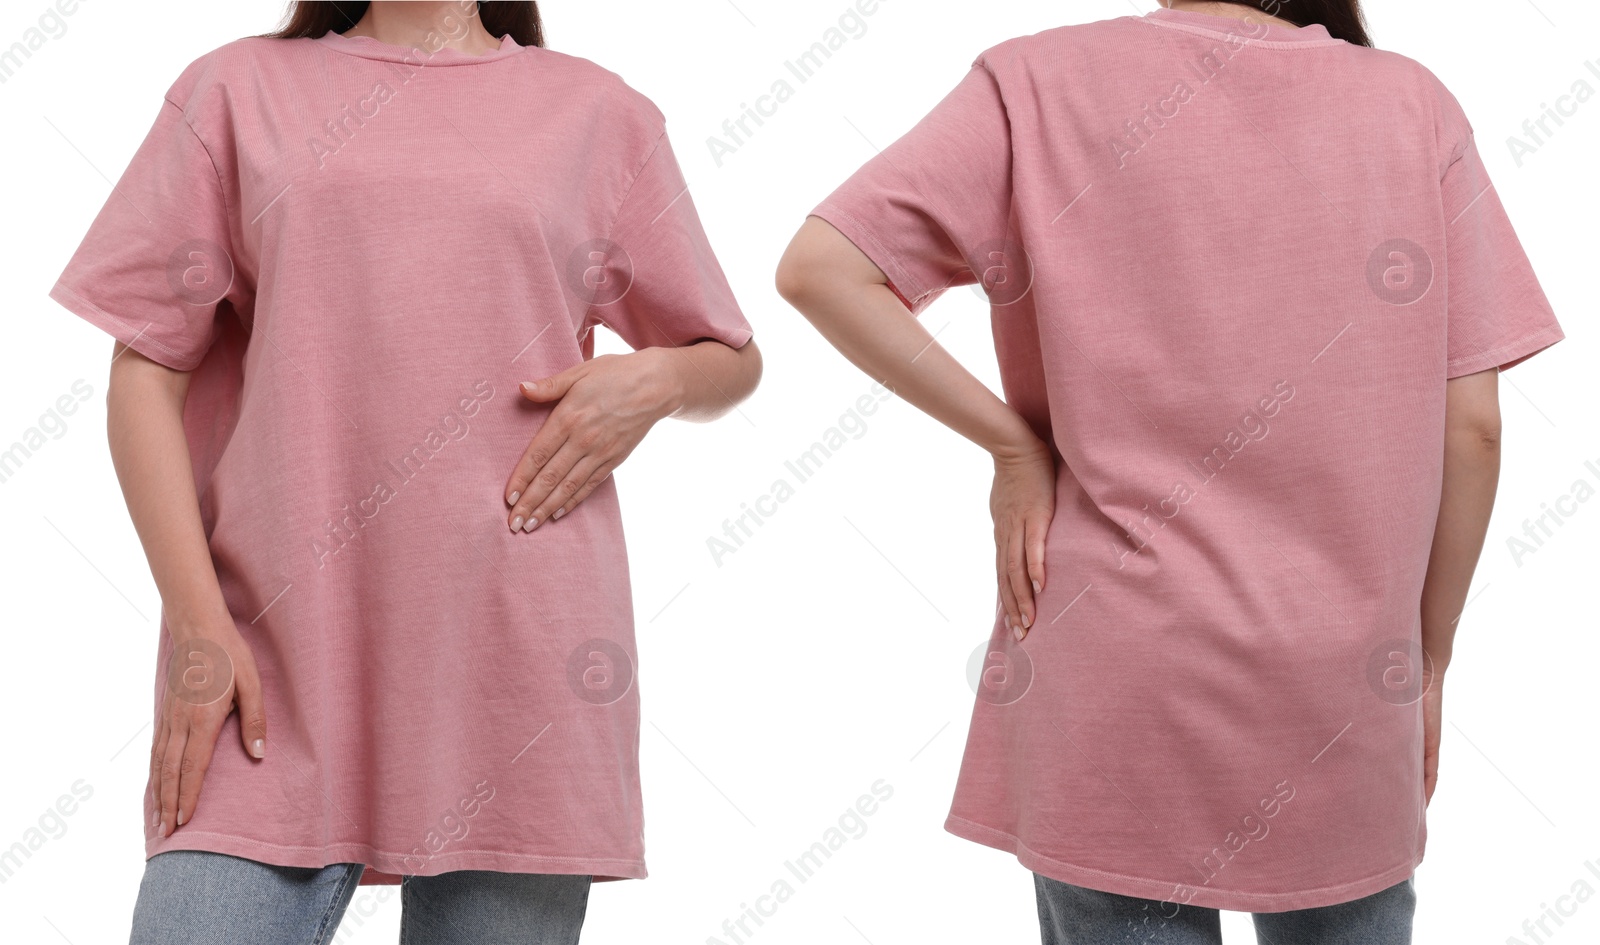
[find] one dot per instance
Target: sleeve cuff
(1506, 356)
(137, 337)
(902, 283)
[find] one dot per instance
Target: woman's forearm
(1471, 476)
(144, 423)
(709, 378)
(847, 298)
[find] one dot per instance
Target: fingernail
(1027, 621)
(1017, 632)
(559, 513)
(532, 524)
(258, 748)
(513, 499)
(516, 523)
(1037, 587)
(182, 816)
(163, 831)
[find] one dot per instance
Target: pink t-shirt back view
(360, 250)
(1231, 265)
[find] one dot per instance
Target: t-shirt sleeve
(157, 261)
(656, 281)
(932, 210)
(1498, 315)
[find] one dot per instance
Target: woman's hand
(1432, 710)
(211, 672)
(604, 408)
(1022, 502)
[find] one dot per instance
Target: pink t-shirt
(1231, 265)
(359, 251)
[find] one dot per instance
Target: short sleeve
(1498, 315)
(933, 209)
(655, 281)
(156, 262)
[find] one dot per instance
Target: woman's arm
(847, 297)
(1471, 476)
(604, 408)
(708, 379)
(144, 423)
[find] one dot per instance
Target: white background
(830, 651)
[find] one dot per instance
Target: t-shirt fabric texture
(1231, 265)
(360, 250)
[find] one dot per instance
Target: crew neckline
(1239, 28)
(368, 48)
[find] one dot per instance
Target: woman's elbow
(796, 277)
(750, 360)
(1475, 437)
(816, 261)
(1472, 412)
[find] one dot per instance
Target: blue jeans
(1072, 915)
(194, 897)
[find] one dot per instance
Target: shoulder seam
(634, 179)
(1460, 152)
(182, 113)
(591, 317)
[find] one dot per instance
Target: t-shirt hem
(1203, 897)
(139, 339)
(901, 281)
(386, 868)
(1507, 355)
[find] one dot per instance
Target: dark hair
(1342, 18)
(314, 18)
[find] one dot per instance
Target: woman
(353, 273)
(1250, 291)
